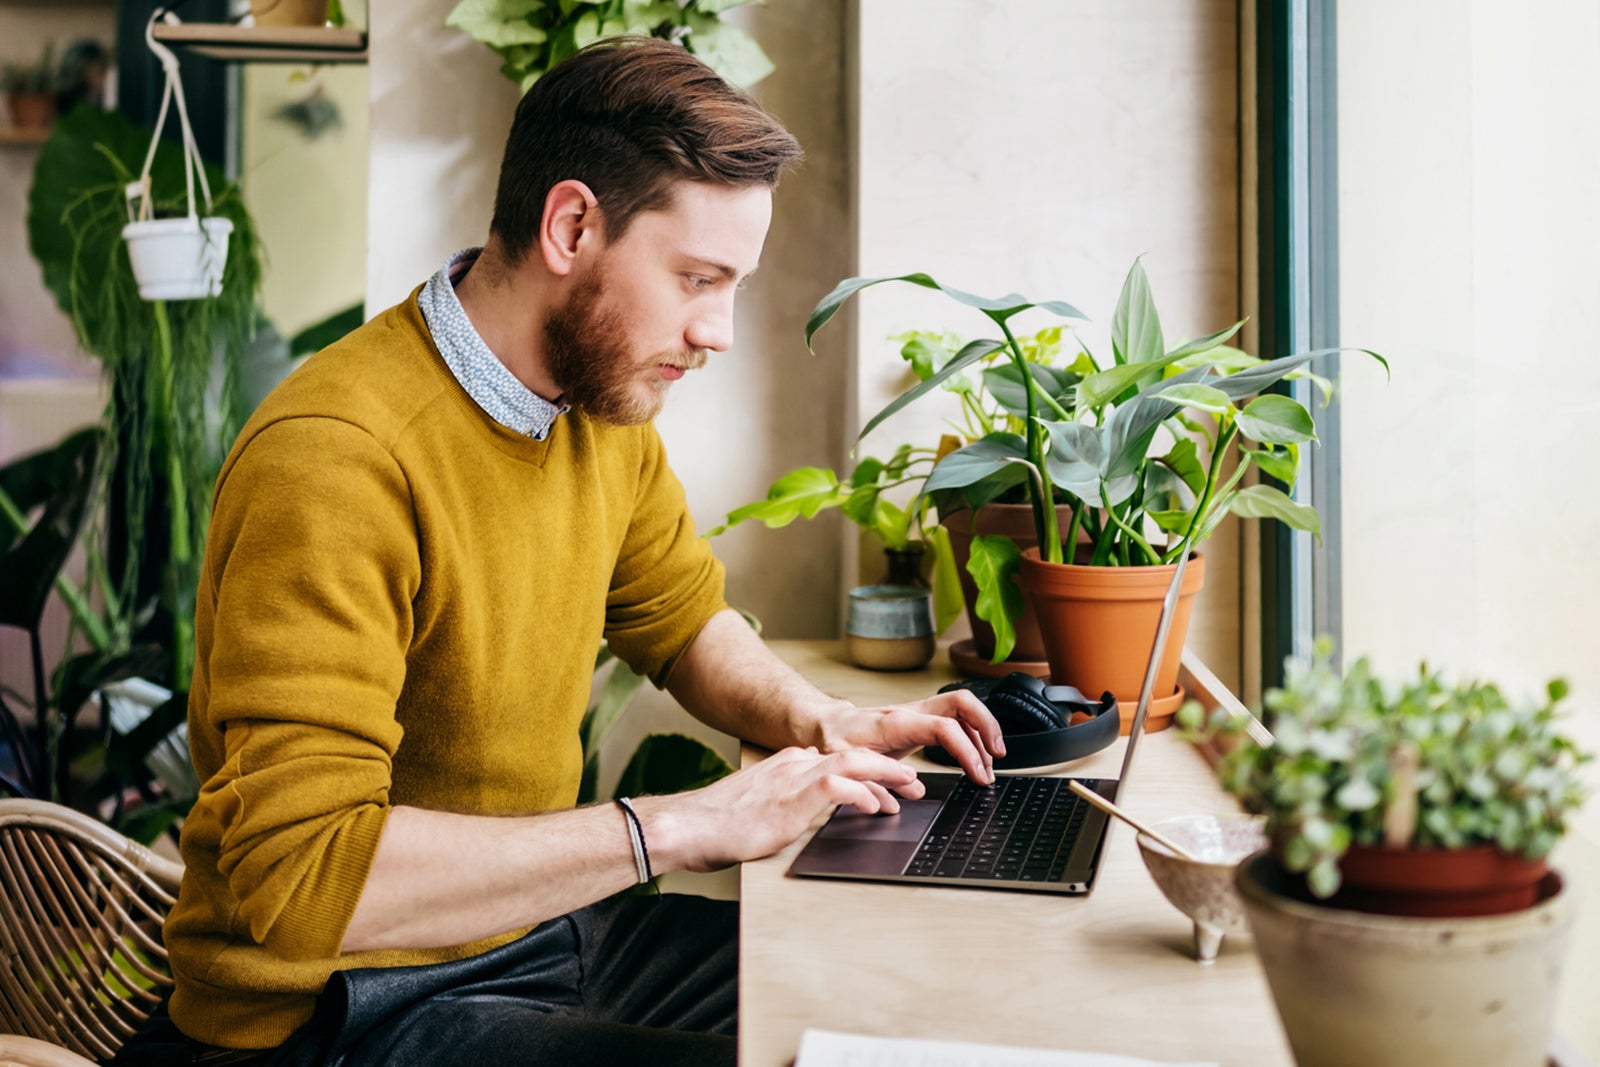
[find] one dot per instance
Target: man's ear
(571, 218)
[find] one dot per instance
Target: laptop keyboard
(1020, 829)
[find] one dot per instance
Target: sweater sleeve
(667, 583)
(312, 567)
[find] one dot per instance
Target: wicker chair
(81, 959)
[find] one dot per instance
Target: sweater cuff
(312, 924)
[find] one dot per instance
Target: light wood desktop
(1110, 972)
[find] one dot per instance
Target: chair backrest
(81, 907)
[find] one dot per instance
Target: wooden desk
(1111, 972)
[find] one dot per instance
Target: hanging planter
(176, 258)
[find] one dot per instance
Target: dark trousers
(634, 979)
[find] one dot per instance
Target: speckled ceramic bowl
(1204, 891)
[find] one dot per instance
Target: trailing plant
(171, 414)
(1120, 442)
(1351, 754)
(534, 35)
(991, 400)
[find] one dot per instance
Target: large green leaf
(1265, 502)
(1133, 426)
(1004, 384)
(948, 603)
(1284, 465)
(802, 492)
(969, 355)
(1102, 387)
(1254, 379)
(1207, 343)
(977, 461)
(727, 49)
(1184, 460)
(1194, 395)
(993, 565)
(61, 480)
(670, 763)
(997, 308)
(498, 23)
(1136, 328)
(616, 692)
(1276, 420)
(1075, 458)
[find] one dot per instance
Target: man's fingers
(955, 739)
(972, 712)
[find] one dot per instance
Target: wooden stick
(1111, 809)
(1400, 821)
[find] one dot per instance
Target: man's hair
(629, 117)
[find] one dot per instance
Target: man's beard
(587, 352)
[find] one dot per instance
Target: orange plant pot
(1437, 882)
(1099, 624)
(289, 12)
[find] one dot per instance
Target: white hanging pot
(178, 258)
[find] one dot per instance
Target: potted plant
(30, 90)
(1407, 885)
(172, 368)
(1124, 446)
(534, 35)
(990, 401)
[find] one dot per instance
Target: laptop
(1025, 832)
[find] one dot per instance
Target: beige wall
(1469, 141)
(1039, 148)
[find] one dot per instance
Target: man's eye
(698, 283)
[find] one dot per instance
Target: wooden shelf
(23, 135)
(257, 44)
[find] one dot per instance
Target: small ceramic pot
(889, 627)
(1203, 888)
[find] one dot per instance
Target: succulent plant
(1454, 763)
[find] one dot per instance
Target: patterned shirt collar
(487, 380)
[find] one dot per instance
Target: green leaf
(867, 472)
(727, 49)
(926, 352)
(979, 460)
(1004, 384)
(62, 482)
(717, 7)
(670, 763)
(892, 524)
(499, 23)
(1207, 343)
(1075, 458)
(1100, 388)
(993, 565)
(1253, 379)
(1284, 466)
(1276, 420)
(1174, 522)
(1133, 426)
(965, 358)
(616, 692)
(802, 492)
(1265, 502)
(997, 308)
(1184, 461)
(1136, 328)
(948, 603)
(1194, 395)
(320, 335)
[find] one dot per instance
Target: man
(417, 544)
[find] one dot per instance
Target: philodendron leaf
(964, 359)
(1005, 385)
(998, 309)
(1265, 502)
(1276, 420)
(860, 505)
(727, 49)
(1075, 458)
(1105, 386)
(1252, 380)
(947, 600)
(670, 763)
(498, 23)
(993, 566)
(1136, 328)
(802, 492)
(1207, 343)
(1176, 522)
(970, 465)
(1184, 461)
(615, 693)
(1284, 466)
(1195, 395)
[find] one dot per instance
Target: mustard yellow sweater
(400, 604)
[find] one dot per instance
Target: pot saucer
(964, 657)
(1160, 715)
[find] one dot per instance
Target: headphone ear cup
(1019, 705)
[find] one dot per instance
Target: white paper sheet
(827, 1048)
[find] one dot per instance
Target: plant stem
(1133, 535)
(71, 595)
(177, 500)
(1044, 504)
(1225, 434)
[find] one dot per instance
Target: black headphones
(1036, 720)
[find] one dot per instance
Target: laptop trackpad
(913, 821)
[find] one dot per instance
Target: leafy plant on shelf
(1121, 443)
(1488, 770)
(534, 35)
(37, 78)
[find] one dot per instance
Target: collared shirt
(487, 380)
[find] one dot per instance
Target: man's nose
(712, 330)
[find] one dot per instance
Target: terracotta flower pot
(1016, 522)
(1437, 881)
(31, 111)
(1361, 990)
(1099, 624)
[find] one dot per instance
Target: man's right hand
(759, 810)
